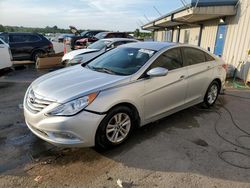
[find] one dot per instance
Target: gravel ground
(192, 148)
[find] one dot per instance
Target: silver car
(100, 103)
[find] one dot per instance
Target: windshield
(121, 61)
(99, 44)
(83, 33)
(100, 35)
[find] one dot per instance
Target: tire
(108, 127)
(212, 94)
(37, 54)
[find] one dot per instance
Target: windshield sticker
(149, 52)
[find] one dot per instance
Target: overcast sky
(122, 15)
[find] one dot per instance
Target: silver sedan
(100, 103)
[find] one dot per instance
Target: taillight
(224, 66)
(50, 45)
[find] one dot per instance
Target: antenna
(184, 3)
(157, 11)
(140, 22)
(146, 18)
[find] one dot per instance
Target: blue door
(220, 40)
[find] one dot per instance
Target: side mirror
(157, 72)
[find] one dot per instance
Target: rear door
(200, 72)
(20, 47)
(163, 94)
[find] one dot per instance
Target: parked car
(82, 43)
(6, 58)
(64, 36)
(27, 46)
(101, 102)
(85, 37)
(95, 49)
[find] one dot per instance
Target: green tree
(2, 29)
(137, 33)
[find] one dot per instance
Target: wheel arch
(218, 80)
(132, 107)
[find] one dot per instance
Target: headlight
(76, 60)
(73, 107)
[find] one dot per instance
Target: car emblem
(32, 97)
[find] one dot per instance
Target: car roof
(118, 39)
(156, 46)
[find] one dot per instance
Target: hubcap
(212, 94)
(118, 128)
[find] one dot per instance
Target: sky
(114, 15)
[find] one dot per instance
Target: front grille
(36, 103)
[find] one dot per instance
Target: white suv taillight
(11, 58)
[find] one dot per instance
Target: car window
(169, 60)
(193, 56)
(32, 38)
(17, 38)
(121, 61)
(120, 35)
(100, 44)
(4, 38)
(1, 42)
(209, 57)
(110, 35)
(23, 38)
(101, 35)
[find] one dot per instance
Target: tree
(2, 29)
(137, 33)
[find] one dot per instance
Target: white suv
(5, 54)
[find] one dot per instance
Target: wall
(238, 35)
(209, 33)
(194, 34)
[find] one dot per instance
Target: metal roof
(198, 3)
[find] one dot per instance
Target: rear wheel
(115, 128)
(212, 94)
(36, 55)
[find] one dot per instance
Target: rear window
(209, 57)
(24, 38)
(193, 56)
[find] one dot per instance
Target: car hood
(69, 83)
(71, 55)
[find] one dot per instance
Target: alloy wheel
(118, 128)
(212, 94)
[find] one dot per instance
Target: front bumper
(74, 131)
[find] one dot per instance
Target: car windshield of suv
(121, 61)
(99, 45)
(84, 33)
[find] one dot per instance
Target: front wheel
(115, 128)
(212, 94)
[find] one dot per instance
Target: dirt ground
(192, 148)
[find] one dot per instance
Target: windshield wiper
(103, 69)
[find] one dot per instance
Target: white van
(5, 55)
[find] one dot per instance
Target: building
(221, 26)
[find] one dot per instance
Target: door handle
(208, 67)
(182, 77)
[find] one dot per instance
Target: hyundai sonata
(99, 103)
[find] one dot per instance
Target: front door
(220, 40)
(163, 94)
